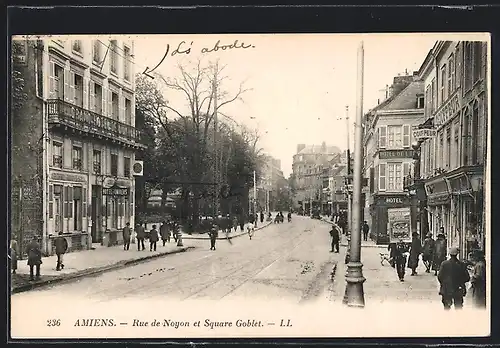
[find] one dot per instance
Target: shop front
(438, 203)
(117, 197)
(379, 211)
(467, 208)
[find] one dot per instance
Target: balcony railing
(77, 163)
(97, 167)
(57, 161)
(79, 118)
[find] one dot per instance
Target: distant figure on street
(365, 229)
(439, 251)
(342, 224)
(452, 276)
(289, 216)
(261, 217)
(251, 218)
(34, 258)
(165, 233)
(213, 236)
(235, 223)
(415, 251)
(61, 247)
(126, 236)
(242, 223)
(13, 255)
(153, 238)
(141, 234)
(398, 254)
(175, 231)
(478, 280)
(428, 252)
(334, 233)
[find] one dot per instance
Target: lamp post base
(354, 294)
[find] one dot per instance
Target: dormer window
(420, 101)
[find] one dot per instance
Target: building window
(128, 111)
(477, 50)
(468, 66)
(441, 151)
(406, 135)
(113, 50)
(97, 162)
(443, 84)
(114, 164)
(433, 95)
(448, 148)
(394, 177)
(56, 82)
(78, 84)
(96, 98)
(382, 137)
(77, 157)
(475, 148)
(420, 102)
(126, 63)
(456, 146)
(458, 65)
(382, 177)
(77, 46)
(126, 167)
(394, 137)
(97, 56)
(57, 154)
(451, 74)
(115, 106)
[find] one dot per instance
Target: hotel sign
(388, 154)
(447, 111)
(424, 133)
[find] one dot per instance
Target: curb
(225, 238)
(94, 271)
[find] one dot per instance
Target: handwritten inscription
(185, 48)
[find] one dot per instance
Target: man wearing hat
(452, 276)
(428, 252)
(478, 280)
(439, 251)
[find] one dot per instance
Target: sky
(300, 83)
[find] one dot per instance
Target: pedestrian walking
(398, 255)
(242, 223)
(428, 252)
(153, 238)
(365, 229)
(235, 223)
(439, 252)
(334, 234)
(478, 280)
(261, 217)
(34, 258)
(140, 235)
(13, 256)
(213, 236)
(415, 251)
(175, 231)
(61, 247)
(126, 236)
(165, 233)
(452, 276)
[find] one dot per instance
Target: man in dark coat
(478, 280)
(334, 233)
(439, 252)
(34, 257)
(141, 234)
(213, 236)
(398, 252)
(165, 233)
(415, 251)
(126, 236)
(61, 247)
(13, 255)
(428, 252)
(452, 277)
(365, 229)
(261, 217)
(153, 238)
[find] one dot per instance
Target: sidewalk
(222, 235)
(88, 262)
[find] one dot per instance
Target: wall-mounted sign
(424, 133)
(115, 191)
(68, 177)
(386, 154)
(447, 111)
(394, 200)
(399, 224)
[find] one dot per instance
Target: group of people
(452, 273)
(167, 230)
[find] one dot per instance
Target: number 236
(54, 322)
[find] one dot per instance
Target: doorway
(58, 208)
(95, 213)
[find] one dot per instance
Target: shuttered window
(51, 201)
(382, 176)
(382, 137)
(406, 135)
(84, 205)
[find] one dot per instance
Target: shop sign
(447, 111)
(399, 224)
(67, 177)
(387, 154)
(425, 133)
(440, 199)
(437, 187)
(394, 200)
(115, 191)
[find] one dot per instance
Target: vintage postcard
(227, 186)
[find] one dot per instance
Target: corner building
(453, 162)
(89, 144)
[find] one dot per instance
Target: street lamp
(417, 186)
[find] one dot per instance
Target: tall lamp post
(418, 187)
(354, 296)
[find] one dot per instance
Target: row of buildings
(272, 187)
(73, 140)
(426, 145)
